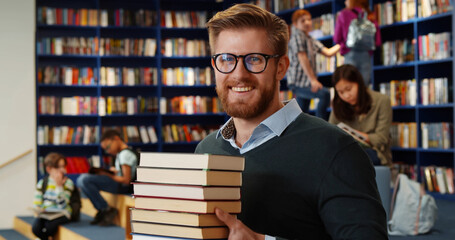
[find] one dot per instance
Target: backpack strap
(44, 185)
(394, 196)
(422, 192)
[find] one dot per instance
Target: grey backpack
(361, 33)
(412, 211)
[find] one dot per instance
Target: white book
(130, 109)
(143, 134)
(68, 76)
(130, 77)
(190, 76)
(50, 16)
(405, 136)
(86, 139)
(168, 48)
(63, 134)
(57, 135)
(110, 81)
(440, 180)
(412, 92)
(424, 128)
(152, 134)
(58, 46)
(102, 106)
(103, 18)
(163, 105)
(425, 91)
(40, 135)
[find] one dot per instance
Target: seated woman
(368, 113)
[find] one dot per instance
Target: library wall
(17, 104)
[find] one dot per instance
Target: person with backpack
(356, 21)
(302, 75)
(118, 180)
(53, 193)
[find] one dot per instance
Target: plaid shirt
(300, 42)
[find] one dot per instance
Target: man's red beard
(241, 108)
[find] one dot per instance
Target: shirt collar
(277, 122)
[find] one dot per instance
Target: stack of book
(176, 195)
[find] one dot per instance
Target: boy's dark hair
(110, 134)
(344, 111)
(52, 159)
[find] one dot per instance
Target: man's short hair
(298, 14)
(52, 159)
(241, 16)
(110, 134)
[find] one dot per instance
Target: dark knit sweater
(312, 182)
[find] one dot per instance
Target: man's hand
(237, 230)
(315, 85)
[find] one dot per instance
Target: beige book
(188, 176)
(176, 218)
(193, 161)
(180, 231)
(190, 206)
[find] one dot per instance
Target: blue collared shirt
(269, 128)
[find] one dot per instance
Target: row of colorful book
(397, 52)
(67, 46)
(176, 195)
(438, 179)
(135, 134)
(401, 92)
(182, 47)
(77, 105)
(93, 17)
(428, 8)
(389, 12)
(145, 47)
(66, 75)
(187, 76)
(116, 76)
(190, 105)
(62, 135)
(434, 46)
(184, 19)
(437, 135)
(127, 105)
(323, 25)
(173, 133)
(404, 134)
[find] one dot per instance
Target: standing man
(303, 178)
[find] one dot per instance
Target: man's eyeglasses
(253, 62)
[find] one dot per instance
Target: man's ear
(212, 62)
(283, 65)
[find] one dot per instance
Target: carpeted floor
(444, 228)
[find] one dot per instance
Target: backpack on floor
(361, 33)
(412, 211)
(75, 200)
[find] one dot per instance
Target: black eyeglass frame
(266, 56)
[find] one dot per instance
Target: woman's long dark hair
(344, 111)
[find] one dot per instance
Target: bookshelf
(396, 26)
(96, 69)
